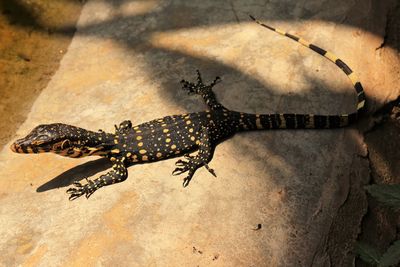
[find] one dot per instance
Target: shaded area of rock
(125, 62)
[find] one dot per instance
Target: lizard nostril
(14, 148)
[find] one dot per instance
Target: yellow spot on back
(128, 154)
(115, 151)
(192, 138)
(197, 142)
(188, 122)
(166, 130)
(142, 151)
(145, 158)
(191, 130)
(173, 146)
(168, 140)
(140, 144)
(158, 155)
(139, 137)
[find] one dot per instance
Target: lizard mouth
(20, 146)
(15, 148)
(22, 149)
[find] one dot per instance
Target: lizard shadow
(76, 173)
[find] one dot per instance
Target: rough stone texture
(126, 61)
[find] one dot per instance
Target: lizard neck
(82, 142)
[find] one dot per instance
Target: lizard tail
(310, 120)
(294, 121)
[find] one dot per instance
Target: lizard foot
(199, 87)
(80, 190)
(191, 165)
(123, 126)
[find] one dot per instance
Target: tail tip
(253, 18)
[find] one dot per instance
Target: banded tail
(283, 121)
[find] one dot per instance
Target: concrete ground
(125, 61)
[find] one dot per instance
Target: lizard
(177, 135)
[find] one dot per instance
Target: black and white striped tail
(294, 121)
(310, 120)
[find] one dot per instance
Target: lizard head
(44, 138)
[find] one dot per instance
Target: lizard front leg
(123, 127)
(118, 174)
(203, 157)
(204, 90)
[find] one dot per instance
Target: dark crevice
(386, 31)
(234, 12)
(391, 36)
(380, 225)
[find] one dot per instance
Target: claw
(77, 184)
(188, 157)
(175, 172)
(186, 181)
(179, 171)
(75, 193)
(210, 170)
(88, 194)
(181, 163)
(80, 190)
(73, 197)
(216, 80)
(199, 80)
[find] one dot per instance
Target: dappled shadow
(235, 12)
(292, 146)
(183, 15)
(25, 18)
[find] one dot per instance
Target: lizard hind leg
(192, 163)
(203, 90)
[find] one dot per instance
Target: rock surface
(126, 61)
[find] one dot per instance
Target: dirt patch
(34, 34)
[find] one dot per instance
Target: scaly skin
(176, 135)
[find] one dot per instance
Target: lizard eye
(39, 140)
(62, 145)
(65, 144)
